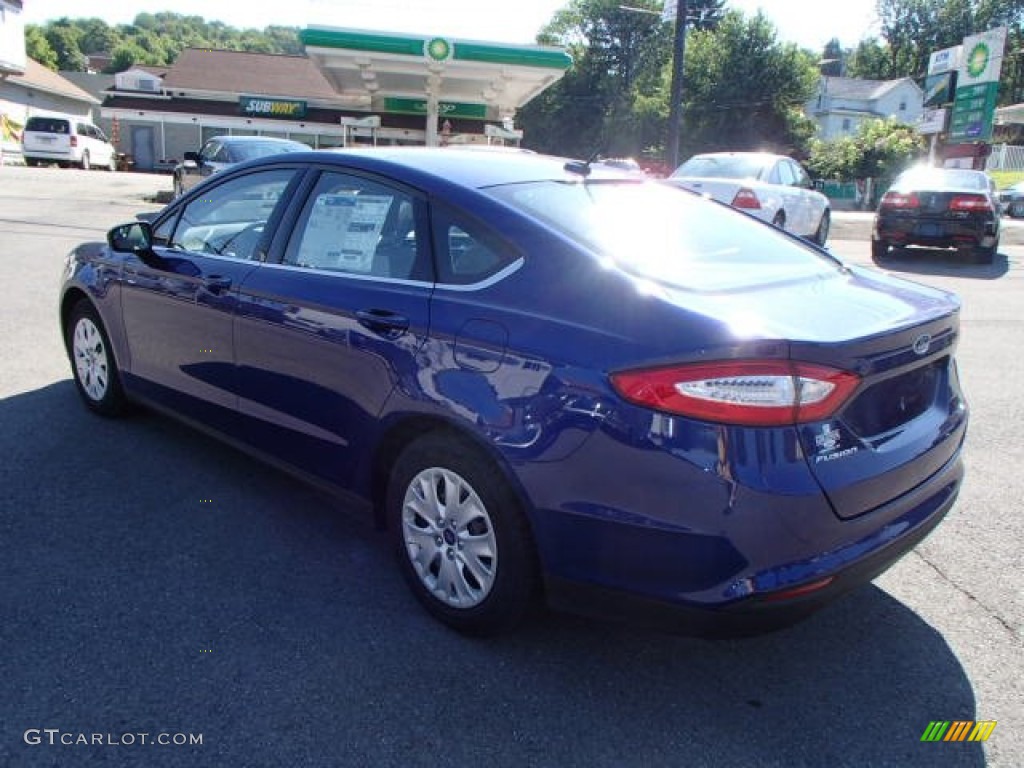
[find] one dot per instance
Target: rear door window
(466, 252)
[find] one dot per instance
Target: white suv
(66, 140)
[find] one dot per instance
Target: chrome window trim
(477, 286)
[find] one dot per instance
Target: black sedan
(939, 208)
(221, 151)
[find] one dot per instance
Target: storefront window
(326, 140)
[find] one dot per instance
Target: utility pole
(675, 107)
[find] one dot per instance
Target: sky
(809, 23)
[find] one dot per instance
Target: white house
(843, 103)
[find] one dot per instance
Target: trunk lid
(907, 418)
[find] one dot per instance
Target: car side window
(354, 225)
(786, 173)
(466, 252)
(801, 179)
(774, 176)
(220, 154)
(229, 219)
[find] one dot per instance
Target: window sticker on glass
(343, 231)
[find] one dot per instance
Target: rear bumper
(938, 233)
(767, 606)
(39, 154)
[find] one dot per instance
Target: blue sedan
(547, 380)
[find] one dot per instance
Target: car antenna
(583, 169)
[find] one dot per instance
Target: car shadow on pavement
(156, 580)
(936, 261)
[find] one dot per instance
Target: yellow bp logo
(438, 49)
(977, 60)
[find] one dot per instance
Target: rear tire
(92, 361)
(879, 250)
(986, 254)
(462, 540)
(779, 220)
(823, 227)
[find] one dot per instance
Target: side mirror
(193, 158)
(136, 237)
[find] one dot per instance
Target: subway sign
(255, 106)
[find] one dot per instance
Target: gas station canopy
(432, 76)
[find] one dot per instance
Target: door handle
(383, 322)
(216, 283)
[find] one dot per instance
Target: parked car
(544, 378)
(772, 188)
(939, 208)
(222, 151)
(67, 141)
(1011, 201)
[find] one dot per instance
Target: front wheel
(461, 537)
(92, 361)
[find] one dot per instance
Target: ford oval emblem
(922, 344)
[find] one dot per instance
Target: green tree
(704, 14)
(96, 36)
(744, 89)
(880, 149)
(63, 38)
(617, 54)
(869, 61)
(832, 59)
(38, 47)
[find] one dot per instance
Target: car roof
(951, 178)
(469, 168)
(251, 139)
(761, 155)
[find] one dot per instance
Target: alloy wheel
(91, 361)
(449, 538)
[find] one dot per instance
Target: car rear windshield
(250, 150)
(668, 235)
(722, 167)
(47, 125)
(939, 179)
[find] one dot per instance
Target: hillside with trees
(151, 39)
(744, 88)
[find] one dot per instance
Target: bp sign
(977, 87)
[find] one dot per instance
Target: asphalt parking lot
(156, 582)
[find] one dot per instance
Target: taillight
(744, 392)
(900, 200)
(746, 199)
(74, 140)
(970, 203)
